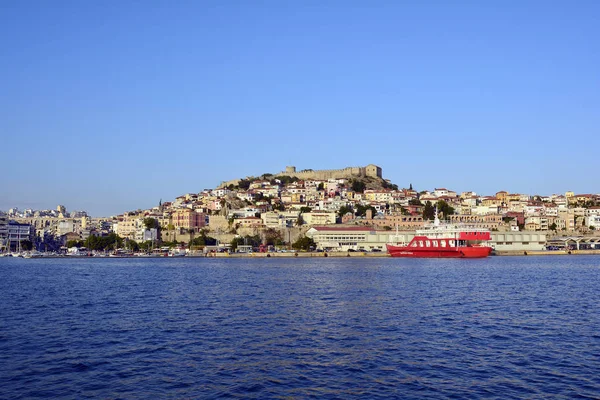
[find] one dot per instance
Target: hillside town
(351, 209)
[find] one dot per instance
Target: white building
(220, 192)
(344, 238)
(3, 232)
(243, 212)
(280, 219)
(66, 226)
(592, 211)
(440, 192)
(17, 233)
(144, 235)
(593, 221)
(317, 217)
(484, 210)
(518, 241)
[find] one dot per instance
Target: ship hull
(448, 252)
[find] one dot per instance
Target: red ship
(441, 240)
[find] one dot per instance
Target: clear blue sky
(110, 106)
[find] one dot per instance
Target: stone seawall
(547, 253)
(299, 254)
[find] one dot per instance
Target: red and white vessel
(442, 240)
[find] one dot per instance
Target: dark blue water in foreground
(503, 327)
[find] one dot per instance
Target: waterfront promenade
(333, 254)
(383, 254)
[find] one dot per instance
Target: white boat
(33, 254)
(177, 253)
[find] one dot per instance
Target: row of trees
(443, 207)
(360, 211)
(270, 237)
(111, 241)
(304, 243)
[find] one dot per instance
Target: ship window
(451, 243)
(435, 243)
(428, 243)
(443, 242)
(420, 243)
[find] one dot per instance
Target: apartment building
(186, 218)
(317, 217)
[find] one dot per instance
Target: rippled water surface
(503, 327)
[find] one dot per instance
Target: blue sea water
(502, 327)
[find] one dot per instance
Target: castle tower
(374, 171)
(290, 170)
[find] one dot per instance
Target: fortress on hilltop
(370, 170)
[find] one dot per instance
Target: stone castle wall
(349, 172)
(370, 170)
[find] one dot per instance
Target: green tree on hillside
(285, 179)
(132, 245)
(110, 242)
(344, 210)
(273, 237)
(304, 243)
(358, 186)
(204, 239)
(361, 210)
(428, 211)
(389, 185)
(253, 241)
(150, 223)
(244, 184)
(444, 208)
(74, 243)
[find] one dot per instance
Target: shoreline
(340, 254)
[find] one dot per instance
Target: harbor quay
(340, 254)
(315, 254)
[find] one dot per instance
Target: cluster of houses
(294, 205)
(273, 204)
